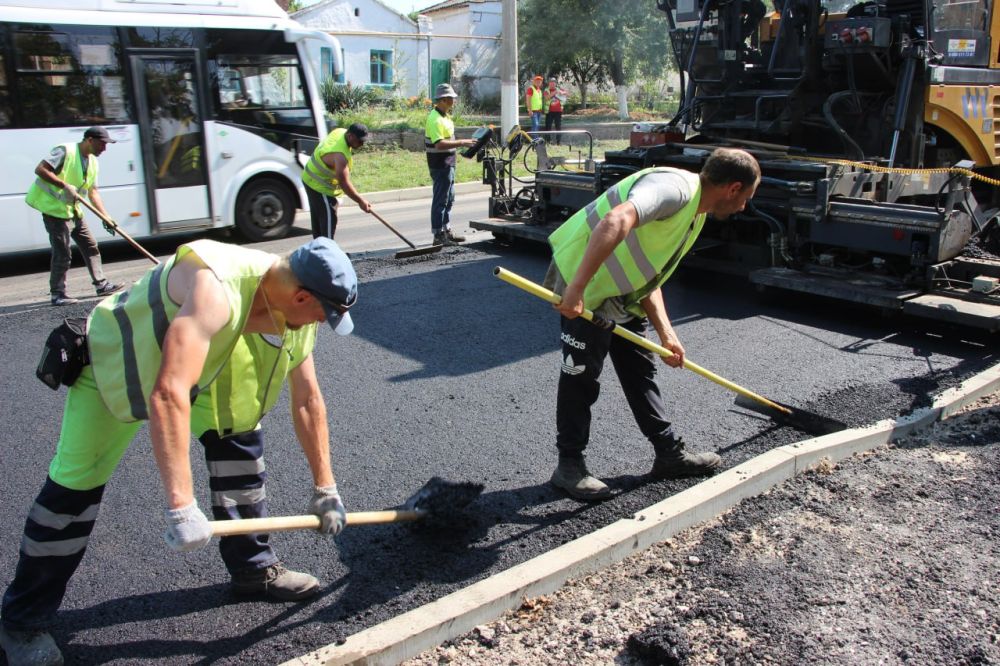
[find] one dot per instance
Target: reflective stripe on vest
(46, 198)
(429, 146)
(648, 254)
(249, 385)
(317, 175)
(126, 331)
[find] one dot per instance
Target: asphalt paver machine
(877, 127)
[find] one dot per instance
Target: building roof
(323, 3)
(451, 4)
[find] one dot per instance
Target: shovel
(437, 498)
(797, 418)
(113, 227)
(415, 251)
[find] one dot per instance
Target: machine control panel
(858, 34)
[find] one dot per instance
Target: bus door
(168, 90)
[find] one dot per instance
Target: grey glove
(69, 194)
(326, 504)
(187, 528)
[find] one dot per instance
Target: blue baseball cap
(323, 270)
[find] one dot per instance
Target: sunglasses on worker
(341, 308)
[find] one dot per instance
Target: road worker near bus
(328, 175)
(68, 171)
(613, 257)
(152, 349)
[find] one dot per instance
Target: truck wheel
(265, 209)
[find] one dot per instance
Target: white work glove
(187, 528)
(326, 504)
(69, 194)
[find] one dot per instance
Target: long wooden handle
(308, 522)
(118, 230)
(550, 296)
(391, 228)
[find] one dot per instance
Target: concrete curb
(413, 193)
(413, 632)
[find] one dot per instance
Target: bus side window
(6, 117)
(70, 76)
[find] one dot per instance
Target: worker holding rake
(612, 257)
(205, 315)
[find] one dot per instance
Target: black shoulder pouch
(65, 353)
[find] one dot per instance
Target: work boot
(106, 288)
(30, 648)
(441, 238)
(453, 237)
(673, 462)
(276, 582)
(63, 299)
(571, 475)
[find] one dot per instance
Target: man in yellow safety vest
(69, 171)
(328, 175)
(612, 257)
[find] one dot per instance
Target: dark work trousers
(553, 118)
(584, 348)
(55, 538)
(323, 211)
(60, 522)
(236, 477)
(60, 232)
(443, 198)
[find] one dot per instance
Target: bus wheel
(265, 209)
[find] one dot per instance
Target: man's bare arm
(338, 163)
(656, 310)
(204, 311)
(309, 418)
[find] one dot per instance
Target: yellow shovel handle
(547, 295)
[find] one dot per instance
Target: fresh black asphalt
(450, 372)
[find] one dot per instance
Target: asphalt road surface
(449, 372)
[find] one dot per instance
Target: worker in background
(69, 171)
(440, 144)
(328, 175)
(150, 353)
(533, 102)
(613, 257)
(554, 97)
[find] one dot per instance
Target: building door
(168, 91)
(440, 73)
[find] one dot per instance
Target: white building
(455, 41)
(379, 46)
(467, 35)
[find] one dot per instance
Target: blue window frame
(381, 67)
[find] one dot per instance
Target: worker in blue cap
(152, 350)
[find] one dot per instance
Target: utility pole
(510, 96)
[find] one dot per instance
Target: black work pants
(554, 118)
(59, 524)
(323, 212)
(584, 348)
(60, 232)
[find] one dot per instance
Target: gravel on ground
(889, 557)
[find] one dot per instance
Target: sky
(401, 6)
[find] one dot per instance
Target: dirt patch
(890, 557)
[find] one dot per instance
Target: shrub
(344, 96)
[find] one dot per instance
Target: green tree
(548, 32)
(595, 40)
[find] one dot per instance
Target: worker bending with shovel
(211, 313)
(613, 257)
